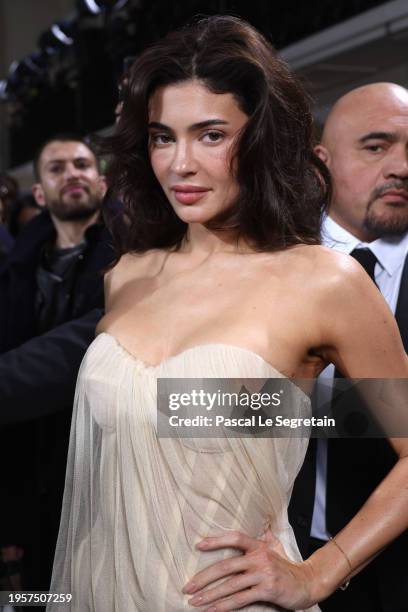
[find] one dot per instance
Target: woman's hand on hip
(262, 573)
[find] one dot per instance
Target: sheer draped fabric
(135, 505)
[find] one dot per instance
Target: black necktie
(367, 259)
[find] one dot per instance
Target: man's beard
(74, 210)
(395, 222)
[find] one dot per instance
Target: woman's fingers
(227, 588)
(231, 539)
(221, 569)
(262, 573)
(235, 602)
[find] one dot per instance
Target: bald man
(365, 146)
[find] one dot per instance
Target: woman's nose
(184, 161)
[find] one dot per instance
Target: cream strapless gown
(135, 505)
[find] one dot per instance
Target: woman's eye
(212, 137)
(160, 139)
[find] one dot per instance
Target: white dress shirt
(390, 252)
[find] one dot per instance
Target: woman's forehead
(191, 102)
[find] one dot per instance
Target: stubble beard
(394, 222)
(74, 209)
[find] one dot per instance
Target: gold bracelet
(343, 586)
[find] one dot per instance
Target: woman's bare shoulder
(344, 294)
(317, 264)
(320, 255)
(340, 283)
(338, 269)
(130, 267)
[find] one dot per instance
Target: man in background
(365, 146)
(47, 278)
(51, 290)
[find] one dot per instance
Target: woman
(220, 275)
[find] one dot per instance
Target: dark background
(69, 81)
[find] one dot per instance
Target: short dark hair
(283, 186)
(63, 137)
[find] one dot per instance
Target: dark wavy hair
(283, 185)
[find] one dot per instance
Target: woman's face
(191, 133)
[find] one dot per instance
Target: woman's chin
(194, 215)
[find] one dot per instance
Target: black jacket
(38, 378)
(6, 244)
(18, 285)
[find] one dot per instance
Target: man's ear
(103, 186)
(38, 194)
(323, 153)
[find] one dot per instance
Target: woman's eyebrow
(192, 128)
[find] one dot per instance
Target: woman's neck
(203, 242)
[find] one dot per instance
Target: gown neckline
(202, 346)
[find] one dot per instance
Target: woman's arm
(359, 334)
(364, 342)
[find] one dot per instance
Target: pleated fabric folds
(135, 505)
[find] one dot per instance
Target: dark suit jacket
(364, 463)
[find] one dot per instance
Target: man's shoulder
(32, 238)
(40, 222)
(99, 245)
